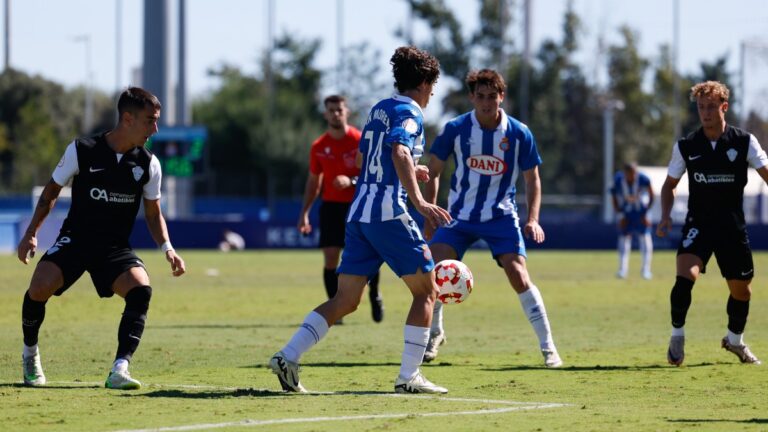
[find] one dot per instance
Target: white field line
(510, 407)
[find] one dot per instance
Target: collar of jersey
(398, 96)
(502, 124)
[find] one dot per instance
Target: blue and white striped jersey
(488, 163)
(633, 198)
(379, 196)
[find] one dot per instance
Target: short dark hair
(334, 99)
(135, 99)
(486, 77)
(412, 67)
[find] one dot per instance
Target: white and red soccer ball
(454, 280)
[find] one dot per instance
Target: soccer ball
(454, 280)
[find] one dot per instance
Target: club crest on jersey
(732, 153)
(486, 165)
(410, 125)
(427, 252)
(137, 172)
(504, 144)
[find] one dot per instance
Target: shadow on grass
(218, 326)
(747, 421)
(330, 364)
(599, 367)
(250, 392)
(52, 386)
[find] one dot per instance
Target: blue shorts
(635, 224)
(397, 242)
(503, 236)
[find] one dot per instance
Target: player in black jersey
(112, 174)
(717, 157)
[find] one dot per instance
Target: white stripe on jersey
(353, 208)
(387, 209)
(507, 204)
(475, 148)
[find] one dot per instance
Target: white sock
(120, 365)
(311, 331)
(625, 247)
(437, 317)
(30, 351)
(735, 339)
(533, 306)
(416, 339)
(678, 331)
(646, 249)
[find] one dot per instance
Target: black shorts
(75, 254)
(333, 221)
(728, 242)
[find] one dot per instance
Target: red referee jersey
(331, 157)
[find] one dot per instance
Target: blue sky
(234, 32)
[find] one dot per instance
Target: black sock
(680, 300)
(132, 324)
(331, 281)
(373, 287)
(737, 314)
(32, 316)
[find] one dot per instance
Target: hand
(623, 222)
(433, 215)
(27, 247)
(534, 231)
(304, 226)
(177, 264)
(665, 224)
(429, 230)
(342, 182)
(422, 173)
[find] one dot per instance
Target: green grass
(218, 332)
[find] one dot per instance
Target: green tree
(259, 137)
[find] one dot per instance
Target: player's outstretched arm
(431, 187)
(667, 199)
(159, 231)
(311, 191)
(28, 244)
(532, 229)
(403, 162)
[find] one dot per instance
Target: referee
(717, 157)
(111, 174)
(332, 168)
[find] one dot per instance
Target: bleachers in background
(273, 225)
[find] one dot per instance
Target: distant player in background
(632, 198)
(379, 228)
(332, 169)
(490, 150)
(717, 157)
(112, 174)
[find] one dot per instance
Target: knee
(39, 293)
(138, 298)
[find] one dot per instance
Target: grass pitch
(211, 332)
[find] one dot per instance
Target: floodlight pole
(7, 35)
(88, 110)
(609, 107)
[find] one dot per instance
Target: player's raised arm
(159, 231)
(403, 162)
(667, 200)
(28, 243)
(533, 199)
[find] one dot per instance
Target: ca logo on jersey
(732, 153)
(486, 165)
(137, 172)
(99, 194)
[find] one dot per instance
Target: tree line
(260, 125)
